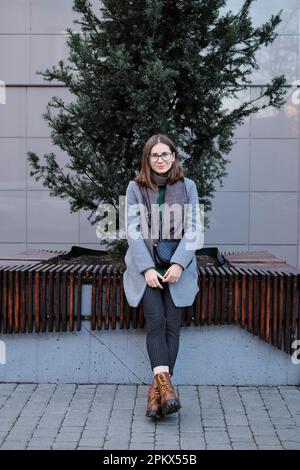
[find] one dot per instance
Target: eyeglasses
(166, 156)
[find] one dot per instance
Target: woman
(162, 291)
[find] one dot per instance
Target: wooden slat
(268, 308)
(188, 314)
(229, 294)
(58, 296)
(5, 300)
(94, 297)
(50, 303)
(275, 296)
(217, 313)
(23, 301)
(262, 304)
(43, 306)
(183, 316)
(100, 296)
(79, 296)
(218, 296)
(134, 317)
(236, 293)
(287, 319)
(141, 315)
(210, 278)
(294, 279)
(197, 301)
(36, 294)
(38, 306)
(107, 297)
(243, 287)
(10, 300)
(63, 306)
(203, 295)
(250, 306)
(256, 311)
(17, 295)
(123, 300)
(56, 306)
(72, 296)
(281, 309)
(30, 302)
(114, 297)
(223, 296)
(64, 301)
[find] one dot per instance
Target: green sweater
(160, 200)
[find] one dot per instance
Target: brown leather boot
(169, 400)
(153, 406)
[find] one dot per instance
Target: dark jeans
(162, 320)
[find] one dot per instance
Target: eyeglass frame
(161, 155)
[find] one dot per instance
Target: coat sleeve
(190, 240)
(136, 242)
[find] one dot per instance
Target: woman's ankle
(158, 369)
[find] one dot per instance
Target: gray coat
(138, 257)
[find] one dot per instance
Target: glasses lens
(165, 156)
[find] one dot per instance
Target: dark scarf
(174, 193)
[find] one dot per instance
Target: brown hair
(144, 176)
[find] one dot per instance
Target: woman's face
(161, 166)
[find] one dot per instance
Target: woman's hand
(173, 273)
(152, 276)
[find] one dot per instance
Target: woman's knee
(155, 320)
(173, 326)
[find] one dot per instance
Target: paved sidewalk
(70, 416)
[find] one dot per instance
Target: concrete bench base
(208, 355)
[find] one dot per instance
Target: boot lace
(156, 392)
(164, 384)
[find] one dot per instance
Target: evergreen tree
(147, 66)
